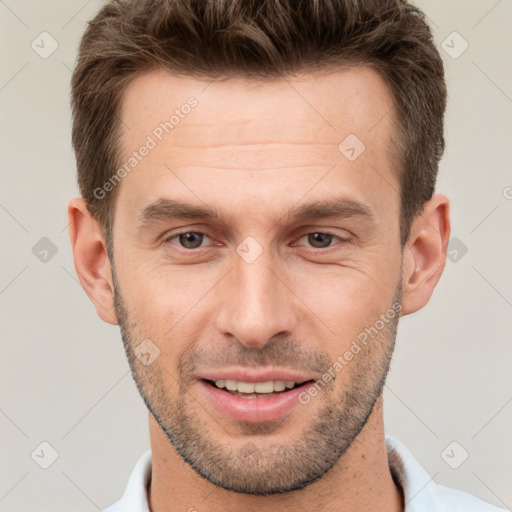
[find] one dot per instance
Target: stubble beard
(260, 467)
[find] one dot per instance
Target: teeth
(246, 387)
(262, 387)
(232, 385)
(255, 387)
(279, 385)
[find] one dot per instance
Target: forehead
(311, 107)
(216, 136)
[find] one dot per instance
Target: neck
(361, 480)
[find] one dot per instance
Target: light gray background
(63, 374)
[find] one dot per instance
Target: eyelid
(342, 240)
(166, 238)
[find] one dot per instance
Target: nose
(256, 302)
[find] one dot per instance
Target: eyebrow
(339, 207)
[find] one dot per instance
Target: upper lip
(257, 375)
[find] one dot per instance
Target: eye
(194, 239)
(188, 239)
(320, 240)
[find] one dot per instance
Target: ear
(91, 259)
(425, 253)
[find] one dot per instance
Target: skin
(254, 151)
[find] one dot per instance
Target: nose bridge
(256, 304)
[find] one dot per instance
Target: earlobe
(425, 253)
(91, 260)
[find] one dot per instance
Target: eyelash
(313, 249)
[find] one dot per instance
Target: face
(257, 268)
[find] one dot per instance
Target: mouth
(256, 389)
(253, 402)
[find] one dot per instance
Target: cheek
(346, 301)
(159, 292)
(169, 309)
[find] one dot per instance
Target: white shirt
(421, 493)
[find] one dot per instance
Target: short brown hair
(260, 39)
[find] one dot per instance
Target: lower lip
(254, 410)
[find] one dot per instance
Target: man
(257, 212)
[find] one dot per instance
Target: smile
(253, 402)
